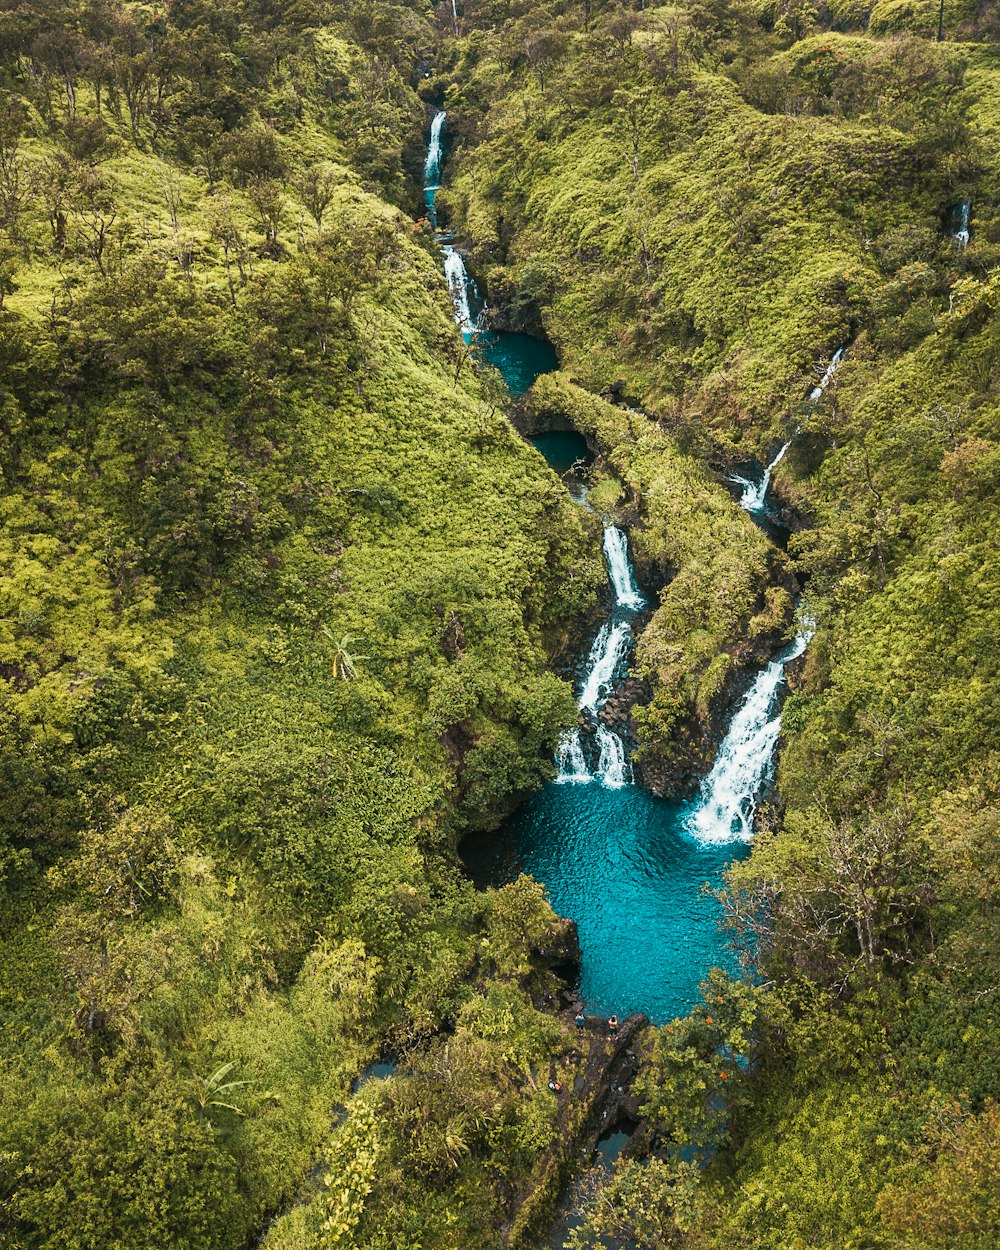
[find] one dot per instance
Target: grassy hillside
(703, 203)
(279, 590)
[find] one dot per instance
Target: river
(635, 872)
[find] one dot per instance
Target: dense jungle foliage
(280, 584)
(700, 203)
(283, 592)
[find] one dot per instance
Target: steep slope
(700, 205)
(279, 589)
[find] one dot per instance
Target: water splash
(730, 793)
(613, 768)
(435, 153)
(620, 570)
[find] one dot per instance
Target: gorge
(488, 492)
(629, 869)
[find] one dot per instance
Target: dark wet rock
(562, 955)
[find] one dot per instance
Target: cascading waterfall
(962, 233)
(435, 151)
(610, 647)
(607, 654)
(569, 758)
(462, 290)
(612, 764)
(620, 570)
(729, 794)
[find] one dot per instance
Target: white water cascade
(607, 654)
(827, 378)
(612, 765)
(619, 570)
(432, 161)
(461, 287)
(754, 495)
(610, 648)
(962, 233)
(569, 758)
(729, 794)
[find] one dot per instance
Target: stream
(629, 868)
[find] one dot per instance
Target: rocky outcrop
(595, 1096)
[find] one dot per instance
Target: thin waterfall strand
(827, 378)
(731, 791)
(962, 233)
(754, 497)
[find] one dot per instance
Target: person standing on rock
(613, 1024)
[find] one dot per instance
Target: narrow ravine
(628, 867)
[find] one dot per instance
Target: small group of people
(581, 1020)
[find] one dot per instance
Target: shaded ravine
(628, 867)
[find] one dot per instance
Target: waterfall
(962, 233)
(612, 767)
(610, 648)
(607, 654)
(432, 162)
(569, 758)
(461, 287)
(729, 794)
(454, 14)
(827, 378)
(754, 493)
(619, 570)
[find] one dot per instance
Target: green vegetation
(700, 203)
(280, 585)
(282, 589)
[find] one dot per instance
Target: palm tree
(344, 663)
